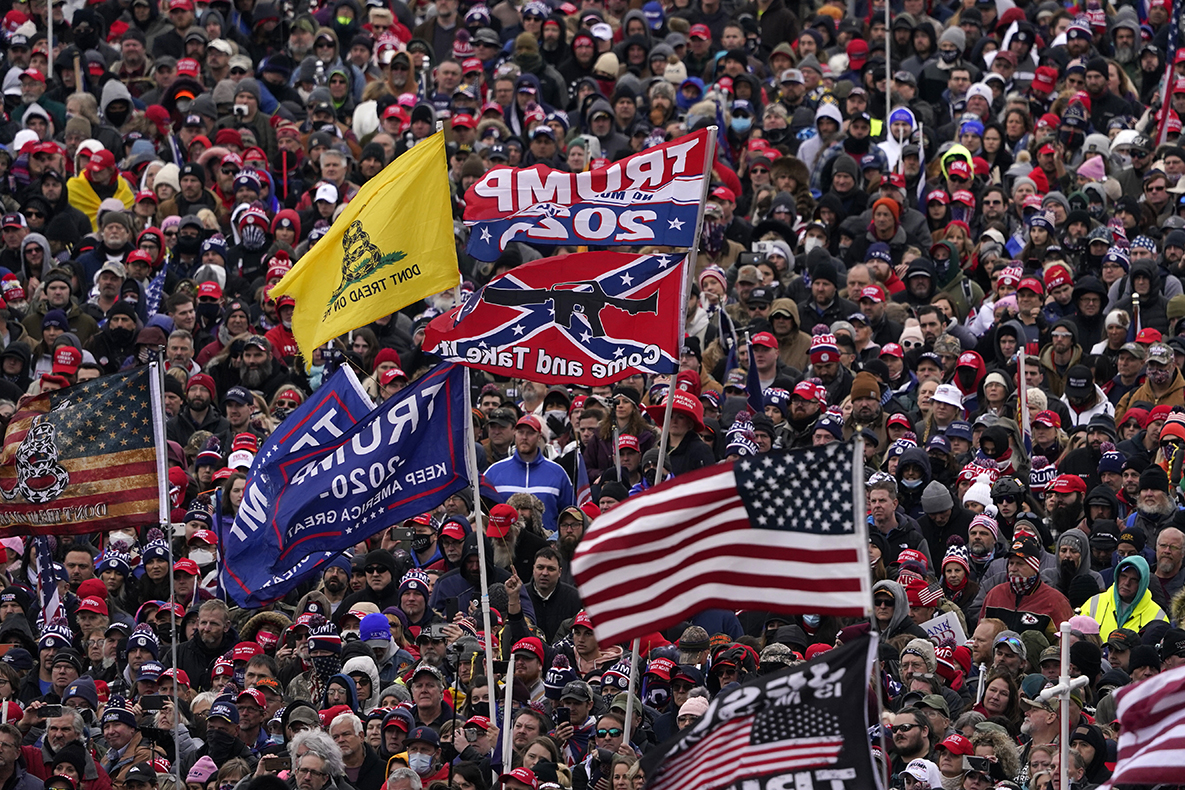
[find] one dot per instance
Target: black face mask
(1071, 138)
(479, 709)
(189, 245)
(208, 312)
(776, 136)
(117, 117)
(948, 55)
(87, 38)
(219, 745)
(421, 542)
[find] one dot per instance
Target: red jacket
(37, 763)
(1045, 609)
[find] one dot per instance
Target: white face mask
(202, 556)
(812, 242)
(420, 763)
(121, 541)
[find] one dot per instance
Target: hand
(627, 750)
(32, 716)
(564, 732)
(459, 740)
(164, 717)
(452, 633)
(285, 653)
(514, 585)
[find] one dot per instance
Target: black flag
(806, 726)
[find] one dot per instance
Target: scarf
(1023, 586)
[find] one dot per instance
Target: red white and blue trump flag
(652, 197)
(592, 317)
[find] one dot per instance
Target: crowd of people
(953, 231)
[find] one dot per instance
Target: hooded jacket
(455, 584)
(900, 622)
(1110, 612)
(1081, 543)
(544, 478)
(794, 347)
(1043, 609)
(910, 499)
(614, 142)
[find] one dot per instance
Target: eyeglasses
(993, 202)
(377, 569)
(311, 772)
(612, 732)
(34, 215)
(1153, 189)
(759, 170)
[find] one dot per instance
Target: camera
(240, 111)
(750, 258)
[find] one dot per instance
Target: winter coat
(1044, 609)
(541, 477)
(1173, 396)
(1103, 608)
(137, 751)
(900, 622)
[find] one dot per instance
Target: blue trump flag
(303, 508)
(333, 409)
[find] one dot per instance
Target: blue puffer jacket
(545, 479)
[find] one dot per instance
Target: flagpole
(479, 528)
(507, 746)
(156, 390)
(860, 517)
(1064, 707)
(629, 688)
(709, 159)
(889, 68)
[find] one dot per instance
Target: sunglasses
(759, 170)
(903, 727)
(34, 215)
(230, 171)
(376, 569)
(612, 732)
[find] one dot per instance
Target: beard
(1065, 517)
(335, 585)
(866, 415)
(504, 550)
(1163, 507)
(253, 378)
(1125, 55)
(1164, 567)
(568, 544)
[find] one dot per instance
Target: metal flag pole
(479, 526)
(156, 389)
(629, 689)
(688, 268)
(889, 64)
(616, 448)
(709, 158)
(860, 525)
(508, 697)
(49, 39)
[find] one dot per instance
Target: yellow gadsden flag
(392, 246)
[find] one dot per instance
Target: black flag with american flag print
(806, 726)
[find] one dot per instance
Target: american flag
(156, 290)
(796, 720)
(1152, 731)
(47, 582)
(776, 532)
(1162, 115)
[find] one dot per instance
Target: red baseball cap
(1031, 284)
(66, 359)
(34, 74)
(95, 605)
(524, 775)
(530, 644)
(901, 420)
(701, 32)
(254, 695)
(210, 288)
(1048, 418)
(892, 350)
(101, 160)
(873, 293)
(959, 167)
(531, 421)
(583, 619)
(895, 179)
(181, 4)
(180, 675)
(245, 651)
(205, 536)
(452, 530)
(627, 441)
(188, 67)
(394, 111)
(186, 566)
(502, 518)
(1067, 484)
(806, 391)
(1148, 335)
(957, 744)
(765, 339)
(471, 65)
(464, 121)
(724, 193)
(390, 374)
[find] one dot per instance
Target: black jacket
(196, 659)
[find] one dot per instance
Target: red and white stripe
(725, 756)
(687, 546)
(1152, 734)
